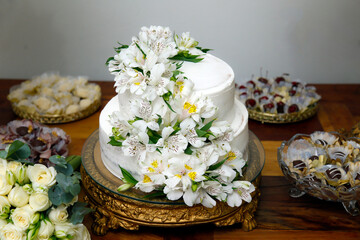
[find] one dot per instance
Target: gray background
(317, 41)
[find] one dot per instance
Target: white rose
(3, 166)
(18, 197)
(3, 222)
(59, 214)
(5, 187)
(11, 232)
(22, 217)
(64, 229)
(4, 207)
(39, 202)
(41, 176)
(81, 233)
(13, 166)
(46, 230)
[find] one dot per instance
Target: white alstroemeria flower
(235, 160)
(131, 79)
(184, 86)
(198, 107)
(187, 127)
(207, 154)
(157, 80)
(152, 168)
(220, 129)
(224, 173)
(207, 191)
(118, 121)
(185, 42)
(159, 40)
(238, 191)
(134, 145)
(175, 144)
(131, 57)
(181, 173)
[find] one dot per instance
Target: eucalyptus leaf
(67, 170)
(3, 154)
(58, 160)
(74, 161)
(78, 212)
(18, 151)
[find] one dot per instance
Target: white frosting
(212, 77)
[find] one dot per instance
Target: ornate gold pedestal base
(130, 211)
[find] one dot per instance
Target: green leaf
(217, 165)
(137, 45)
(128, 177)
(169, 106)
(159, 121)
(74, 161)
(208, 125)
(78, 212)
(188, 150)
(204, 50)
(191, 58)
(138, 69)
(200, 132)
(153, 136)
(67, 170)
(18, 151)
(122, 46)
(113, 142)
(58, 160)
(70, 184)
(154, 195)
(57, 195)
(3, 154)
(108, 60)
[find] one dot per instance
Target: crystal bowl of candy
(325, 165)
(278, 100)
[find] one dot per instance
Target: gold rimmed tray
(129, 210)
(265, 117)
(56, 118)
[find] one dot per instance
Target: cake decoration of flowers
(279, 95)
(183, 150)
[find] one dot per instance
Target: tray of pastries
(51, 98)
(278, 100)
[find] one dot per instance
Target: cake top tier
(209, 73)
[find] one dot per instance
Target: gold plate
(130, 210)
(265, 117)
(57, 118)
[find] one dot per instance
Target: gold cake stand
(130, 210)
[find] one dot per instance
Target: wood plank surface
(278, 216)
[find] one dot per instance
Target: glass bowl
(317, 179)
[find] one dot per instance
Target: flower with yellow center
(191, 108)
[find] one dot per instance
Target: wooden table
(278, 216)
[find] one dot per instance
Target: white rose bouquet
(39, 202)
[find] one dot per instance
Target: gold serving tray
(57, 118)
(265, 117)
(129, 209)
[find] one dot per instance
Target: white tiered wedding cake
(175, 125)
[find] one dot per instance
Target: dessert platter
(324, 165)
(51, 98)
(278, 100)
(174, 140)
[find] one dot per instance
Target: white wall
(317, 41)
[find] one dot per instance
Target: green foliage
(16, 151)
(114, 142)
(204, 50)
(128, 177)
(217, 165)
(186, 57)
(155, 194)
(58, 160)
(78, 211)
(188, 150)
